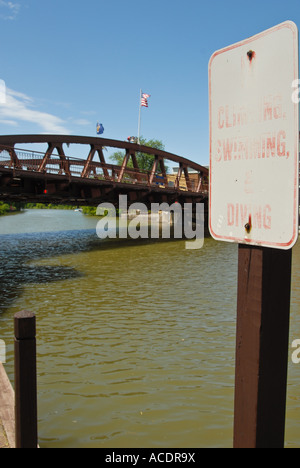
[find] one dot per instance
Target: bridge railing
(129, 173)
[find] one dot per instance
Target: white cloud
(89, 113)
(9, 10)
(9, 122)
(82, 122)
(18, 107)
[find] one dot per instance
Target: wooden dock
(7, 412)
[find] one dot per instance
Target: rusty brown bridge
(47, 174)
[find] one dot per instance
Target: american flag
(144, 99)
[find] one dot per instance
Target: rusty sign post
(254, 201)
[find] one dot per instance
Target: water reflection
(35, 242)
(17, 251)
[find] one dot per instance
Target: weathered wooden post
(263, 312)
(25, 380)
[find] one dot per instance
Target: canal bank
(7, 417)
(3, 438)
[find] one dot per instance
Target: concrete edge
(7, 407)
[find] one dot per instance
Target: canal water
(135, 340)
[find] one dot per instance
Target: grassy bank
(47, 206)
(87, 210)
(6, 208)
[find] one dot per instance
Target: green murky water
(136, 341)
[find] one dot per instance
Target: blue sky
(68, 64)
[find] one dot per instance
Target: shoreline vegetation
(10, 208)
(87, 210)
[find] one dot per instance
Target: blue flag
(100, 128)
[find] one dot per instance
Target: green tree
(89, 210)
(14, 207)
(144, 160)
(4, 208)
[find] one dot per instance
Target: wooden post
(263, 311)
(25, 381)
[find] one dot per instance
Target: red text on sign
(268, 145)
(270, 108)
(238, 214)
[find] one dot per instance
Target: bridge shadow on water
(19, 251)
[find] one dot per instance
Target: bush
(89, 210)
(4, 208)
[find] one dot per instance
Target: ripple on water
(135, 344)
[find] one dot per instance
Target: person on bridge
(132, 139)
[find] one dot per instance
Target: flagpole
(140, 106)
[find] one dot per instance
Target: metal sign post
(254, 201)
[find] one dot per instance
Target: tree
(144, 160)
